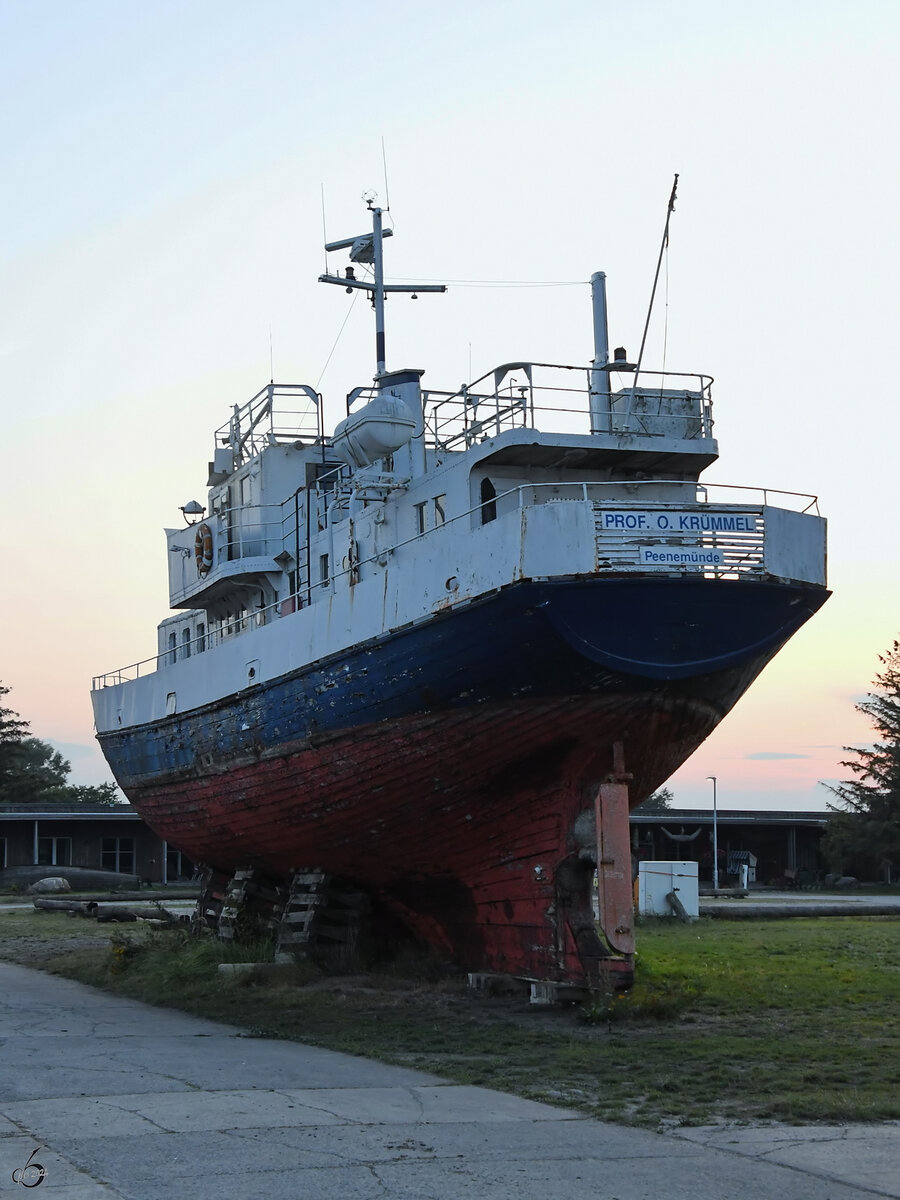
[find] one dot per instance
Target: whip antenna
(324, 230)
(387, 194)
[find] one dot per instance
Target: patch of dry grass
(790, 1020)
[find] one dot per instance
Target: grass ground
(795, 1020)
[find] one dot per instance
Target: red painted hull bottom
(474, 826)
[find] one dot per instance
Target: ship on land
(436, 655)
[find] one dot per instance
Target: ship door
(488, 501)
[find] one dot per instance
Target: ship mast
(368, 248)
(662, 250)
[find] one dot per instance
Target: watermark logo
(31, 1174)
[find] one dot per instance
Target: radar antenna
(367, 248)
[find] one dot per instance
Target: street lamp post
(715, 838)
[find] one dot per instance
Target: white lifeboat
(376, 430)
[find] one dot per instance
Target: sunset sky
(161, 225)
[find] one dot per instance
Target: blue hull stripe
(530, 641)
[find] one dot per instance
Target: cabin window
(421, 518)
(292, 600)
(231, 524)
(54, 852)
(233, 622)
(117, 854)
(245, 489)
(440, 503)
(488, 501)
(201, 637)
(173, 647)
(186, 643)
(323, 569)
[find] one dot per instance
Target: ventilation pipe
(599, 395)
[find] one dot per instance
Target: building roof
(730, 816)
(80, 814)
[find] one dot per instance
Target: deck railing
(281, 412)
(548, 397)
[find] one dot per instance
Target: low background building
(779, 847)
(110, 839)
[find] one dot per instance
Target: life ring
(203, 549)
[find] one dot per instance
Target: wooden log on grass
(80, 908)
(678, 908)
(110, 914)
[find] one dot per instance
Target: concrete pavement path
(122, 1100)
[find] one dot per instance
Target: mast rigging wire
(662, 249)
(666, 313)
(356, 296)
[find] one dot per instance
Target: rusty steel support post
(614, 885)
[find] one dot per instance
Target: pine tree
(13, 731)
(12, 727)
(35, 776)
(660, 802)
(863, 835)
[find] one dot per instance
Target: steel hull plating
(446, 767)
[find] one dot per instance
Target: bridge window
(173, 647)
(201, 637)
(185, 643)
